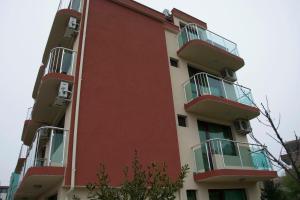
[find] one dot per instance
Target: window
(54, 197)
(230, 194)
(193, 70)
(182, 25)
(173, 62)
(191, 194)
(182, 120)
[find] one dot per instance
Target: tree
(151, 183)
(290, 187)
(272, 191)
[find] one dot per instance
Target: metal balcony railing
(23, 151)
(47, 149)
(61, 60)
(29, 113)
(195, 32)
(205, 84)
(70, 4)
(227, 154)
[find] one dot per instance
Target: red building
(119, 76)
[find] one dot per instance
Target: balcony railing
(227, 154)
(194, 32)
(23, 151)
(70, 4)
(28, 114)
(47, 149)
(206, 84)
(61, 60)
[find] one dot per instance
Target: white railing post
(49, 62)
(184, 90)
(222, 154)
(224, 43)
(61, 60)
(53, 60)
(207, 155)
(35, 157)
(72, 63)
(198, 35)
(20, 153)
(195, 159)
(224, 88)
(50, 148)
(196, 84)
(187, 34)
(63, 151)
(238, 147)
(206, 76)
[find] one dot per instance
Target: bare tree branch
(279, 120)
(266, 112)
(273, 138)
(260, 121)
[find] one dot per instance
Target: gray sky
(267, 33)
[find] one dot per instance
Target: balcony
(52, 91)
(44, 166)
(70, 4)
(206, 48)
(29, 128)
(217, 98)
(65, 26)
(13, 184)
(21, 159)
(221, 160)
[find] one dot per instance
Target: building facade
(118, 76)
(3, 192)
(13, 186)
(294, 148)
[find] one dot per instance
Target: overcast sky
(267, 33)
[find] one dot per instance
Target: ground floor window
(53, 197)
(191, 194)
(229, 194)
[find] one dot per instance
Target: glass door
(228, 194)
(210, 131)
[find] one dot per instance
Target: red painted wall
(126, 98)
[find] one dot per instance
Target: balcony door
(208, 84)
(209, 134)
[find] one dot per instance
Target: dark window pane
(182, 25)
(182, 120)
(227, 194)
(67, 62)
(174, 62)
(191, 195)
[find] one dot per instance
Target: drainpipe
(73, 170)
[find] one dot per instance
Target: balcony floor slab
(203, 53)
(234, 175)
(45, 110)
(38, 180)
(221, 108)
